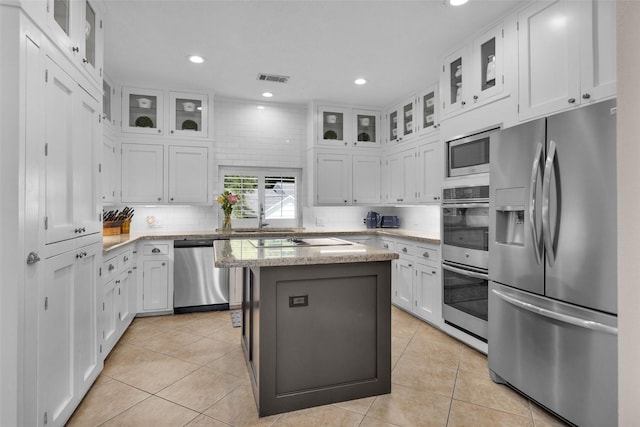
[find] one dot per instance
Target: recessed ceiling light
(196, 59)
(360, 81)
(267, 94)
(457, 2)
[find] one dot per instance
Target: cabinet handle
(75, 49)
(125, 258)
(111, 267)
(571, 100)
(404, 250)
(426, 254)
(32, 258)
(586, 95)
(386, 246)
(410, 265)
(84, 60)
(155, 251)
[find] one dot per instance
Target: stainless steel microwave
(469, 154)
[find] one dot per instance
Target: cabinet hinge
(101, 23)
(118, 291)
(46, 148)
(100, 348)
(119, 316)
(103, 306)
(46, 76)
(518, 108)
(46, 222)
(45, 414)
(47, 6)
(100, 71)
(99, 271)
(102, 334)
(46, 303)
(517, 25)
(99, 167)
(99, 118)
(503, 33)
(503, 79)
(99, 218)
(443, 68)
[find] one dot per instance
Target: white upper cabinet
(110, 103)
(188, 114)
(142, 111)
(401, 125)
(567, 55)
(332, 179)
(188, 175)
(142, 173)
(427, 115)
(429, 172)
(474, 73)
(347, 127)
(366, 179)
(77, 27)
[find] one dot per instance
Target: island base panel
(322, 332)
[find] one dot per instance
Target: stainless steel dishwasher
(198, 285)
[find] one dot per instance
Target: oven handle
(466, 205)
(464, 272)
(564, 318)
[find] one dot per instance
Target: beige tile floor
(188, 370)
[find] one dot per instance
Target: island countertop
(253, 253)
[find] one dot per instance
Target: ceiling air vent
(272, 78)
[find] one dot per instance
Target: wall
(628, 147)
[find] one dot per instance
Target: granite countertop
(115, 242)
(250, 253)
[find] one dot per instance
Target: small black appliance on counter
(372, 220)
(390, 222)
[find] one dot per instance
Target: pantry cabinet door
(430, 177)
(60, 96)
(142, 173)
(188, 175)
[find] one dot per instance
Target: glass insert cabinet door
(188, 114)
(62, 14)
(488, 60)
(366, 125)
(332, 126)
(142, 111)
(428, 109)
(407, 115)
(393, 126)
(90, 25)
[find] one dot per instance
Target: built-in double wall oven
(465, 258)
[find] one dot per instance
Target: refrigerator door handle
(565, 318)
(546, 208)
(535, 173)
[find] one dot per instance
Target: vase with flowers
(227, 200)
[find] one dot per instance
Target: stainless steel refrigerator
(552, 263)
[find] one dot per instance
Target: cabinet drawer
(388, 245)
(427, 254)
(109, 269)
(125, 259)
(406, 249)
(156, 249)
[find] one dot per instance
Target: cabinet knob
(346, 201)
(571, 100)
(404, 250)
(463, 103)
(111, 267)
(355, 201)
(32, 258)
(586, 95)
(164, 263)
(346, 143)
(75, 49)
(355, 143)
(159, 198)
(386, 246)
(172, 199)
(125, 258)
(159, 130)
(426, 254)
(172, 131)
(84, 60)
(475, 97)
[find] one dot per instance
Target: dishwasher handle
(193, 243)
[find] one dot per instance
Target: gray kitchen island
(316, 319)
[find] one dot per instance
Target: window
(275, 191)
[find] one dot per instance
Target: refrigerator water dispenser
(510, 216)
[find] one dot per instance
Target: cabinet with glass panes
(142, 111)
(347, 127)
(427, 115)
(77, 27)
(473, 73)
(401, 125)
(188, 114)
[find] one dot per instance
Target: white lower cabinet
(119, 296)
(416, 279)
(68, 345)
(155, 296)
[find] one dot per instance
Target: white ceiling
(322, 44)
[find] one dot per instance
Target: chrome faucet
(261, 222)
